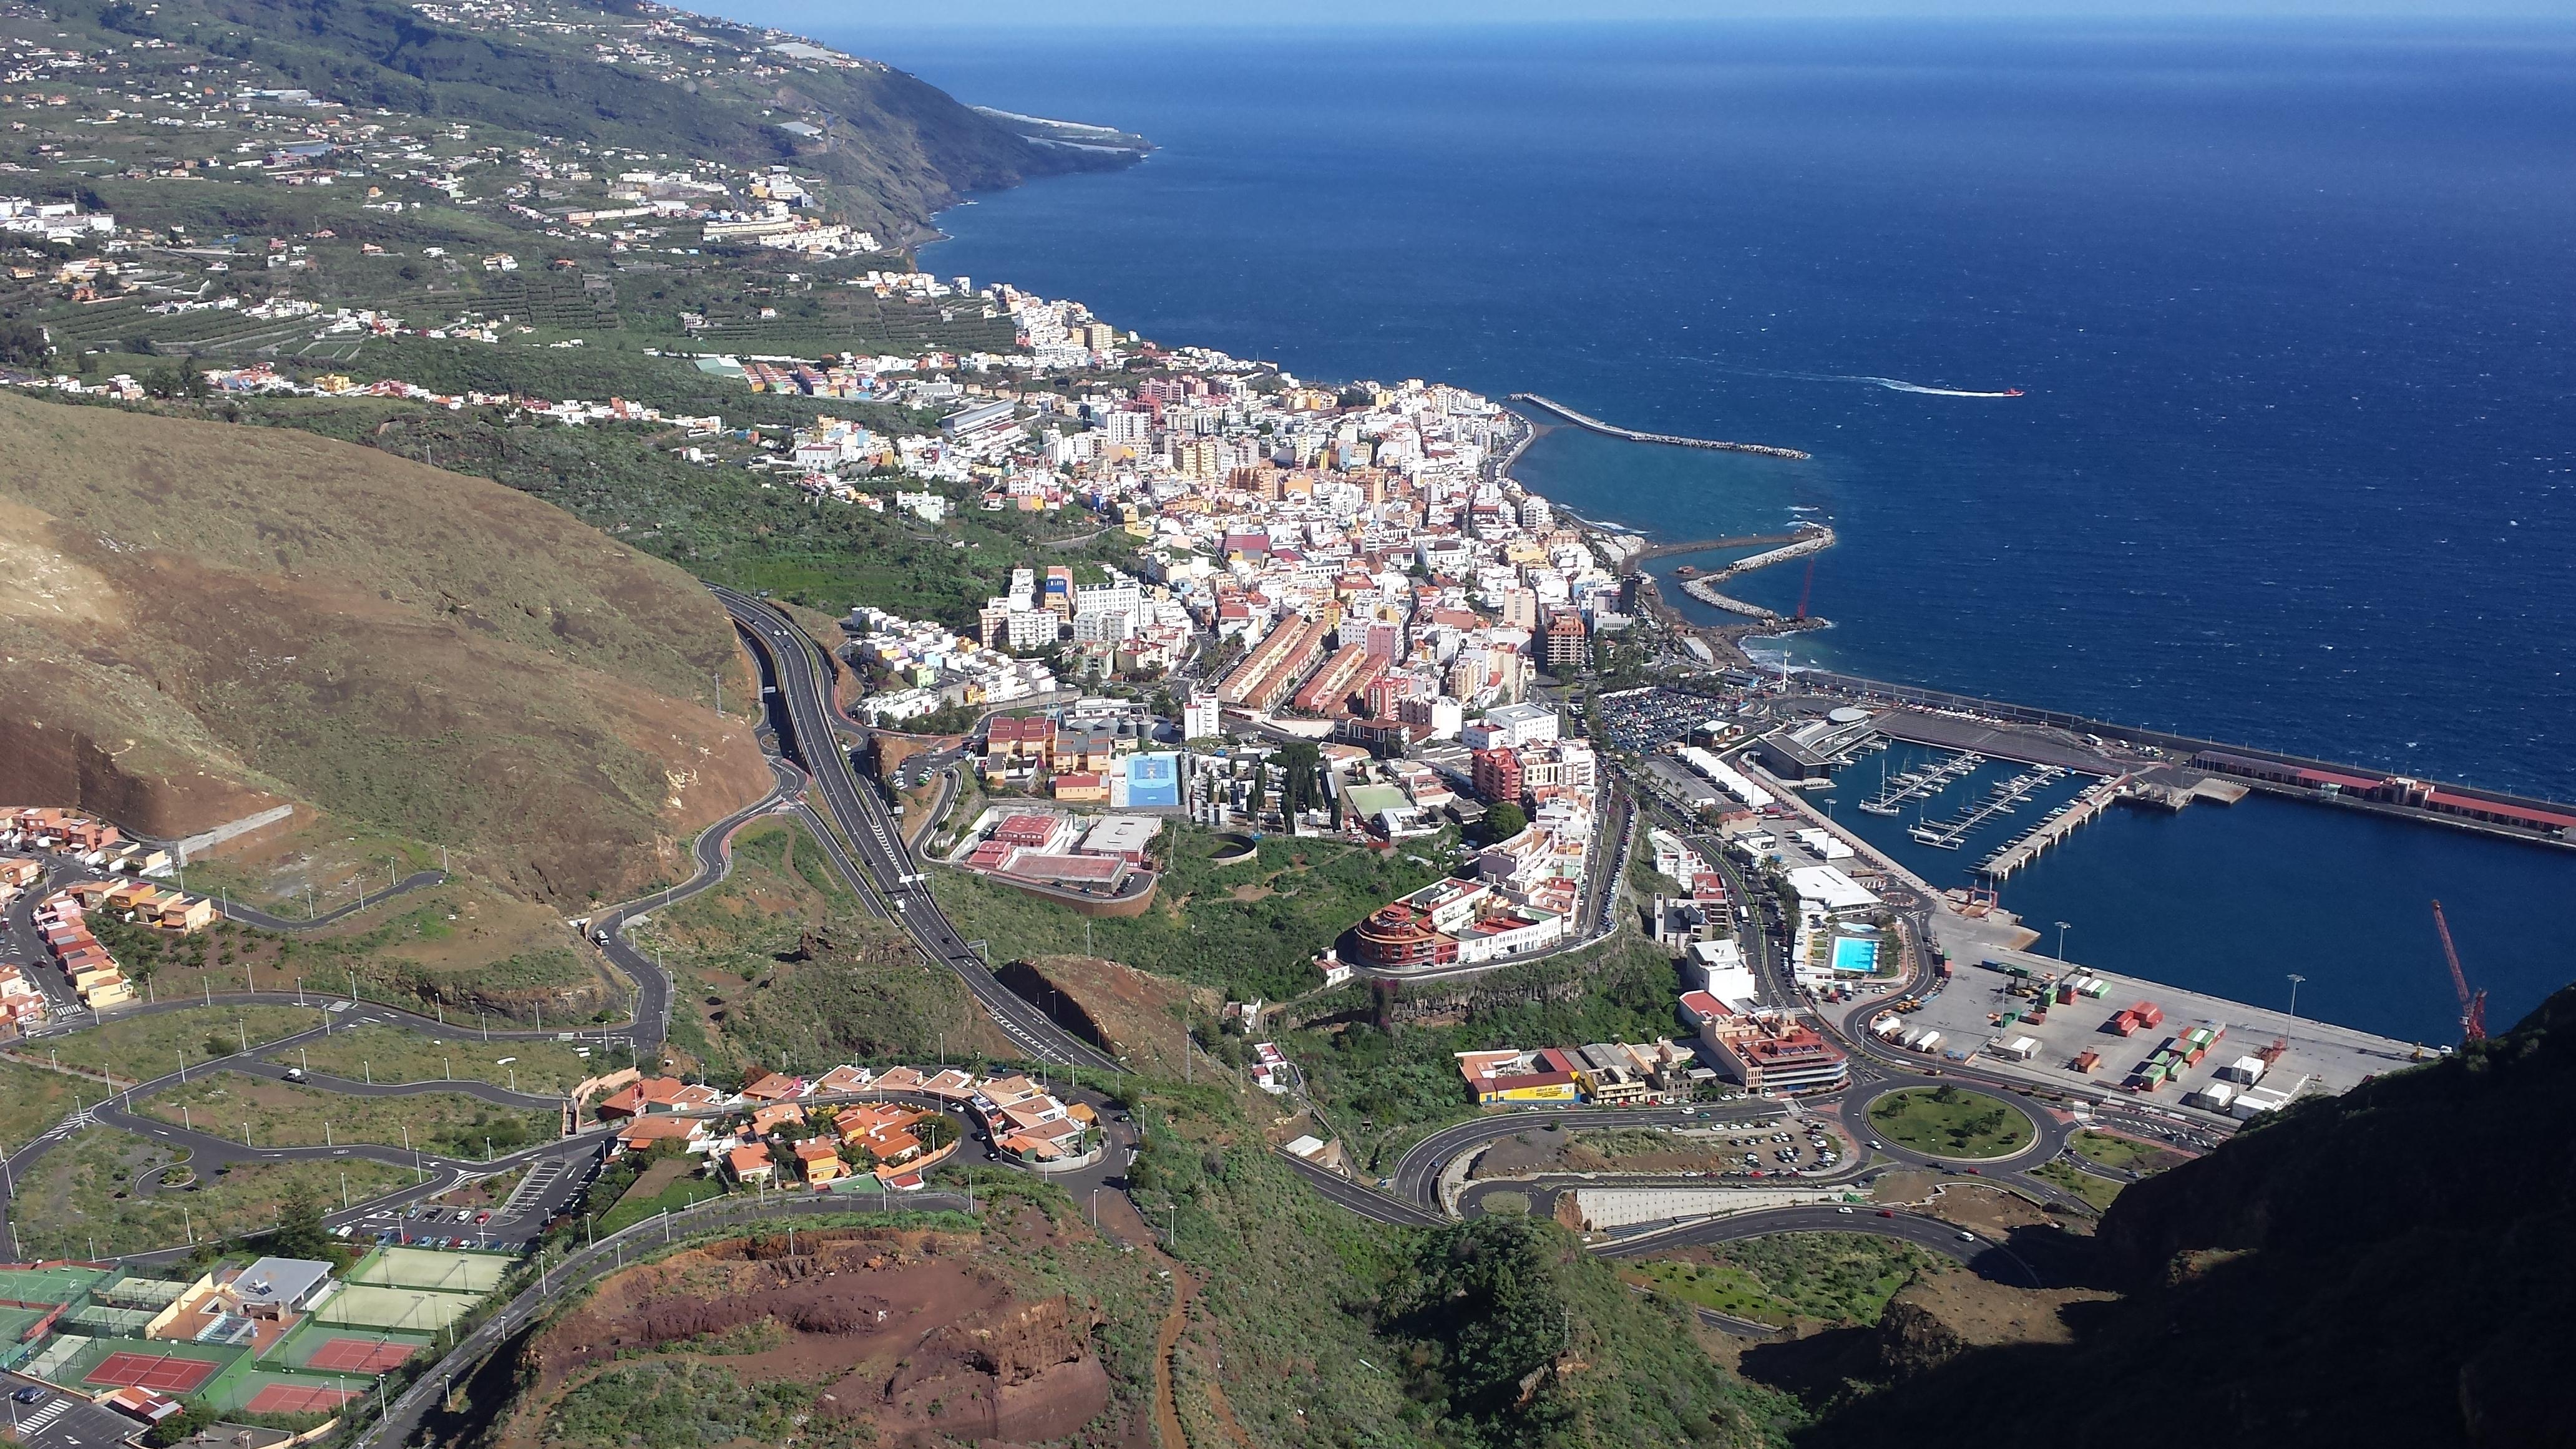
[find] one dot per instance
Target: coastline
(2090, 891)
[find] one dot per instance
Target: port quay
(1983, 1001)
(2177, 768)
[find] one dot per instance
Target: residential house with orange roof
(843, 1080)
(819, 1162)
(769, 1119)
(750, 1164)
(773, 1087)
(658, 1094)
(645, 1132)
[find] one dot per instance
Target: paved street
(892, 877)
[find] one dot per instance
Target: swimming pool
(1854, 955)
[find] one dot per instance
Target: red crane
(2473, 1008)
(1807, 588)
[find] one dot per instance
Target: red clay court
(297, 1399)
(359, 1355)
(161, 1373)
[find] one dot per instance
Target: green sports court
(448, 1271)
(420, 1310)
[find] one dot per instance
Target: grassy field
(84, 1189)
(1252, 929)
(282, 1114)
(392, 1054)
(461, 948)
(2118, 1153)
(144, 1047)
(1948, 1122)
(1719, 1287)
(1841, 1279)
(648, 1198)
(780, 967)
(2095, 1190)
(33, 1099)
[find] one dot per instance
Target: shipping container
(2065, 992)
(2087, 1061)
(2123, 1023)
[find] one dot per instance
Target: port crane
(2473, 1008)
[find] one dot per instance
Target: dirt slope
(209, 620)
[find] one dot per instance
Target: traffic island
(1953, 1123)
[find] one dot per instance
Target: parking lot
(1643, 720)
(1772, 1148)
(44, 1417)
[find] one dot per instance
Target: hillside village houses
(63, 918)
(848, 1126)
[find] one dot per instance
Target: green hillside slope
(215, 619)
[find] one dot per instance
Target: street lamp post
(2061, 940)
(2295, 979)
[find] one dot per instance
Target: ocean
(2294, 462)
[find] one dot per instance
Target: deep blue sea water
(2291, 309)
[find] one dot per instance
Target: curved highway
(802, 688)
(206, 1149)
(1986, 1257)
(713, 852)
(1416, 1178)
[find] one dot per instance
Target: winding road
(801, 687)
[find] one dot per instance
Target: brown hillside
(208, 620)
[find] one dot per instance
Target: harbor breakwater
(1613, 430)
(1816, 538)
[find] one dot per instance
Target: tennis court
(164, 1373)
(419, 1309)
(297, 1399)
(359, 1355)
(448, 1271)
(261, 1389)
(326, 1349)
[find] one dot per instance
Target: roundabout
(2040, 1134)
(1951, 1123)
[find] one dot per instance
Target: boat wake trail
(1892, 384)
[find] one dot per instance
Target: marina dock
(2084, 809)
(2003, 799)
(1919, 784)
(1613, 430)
